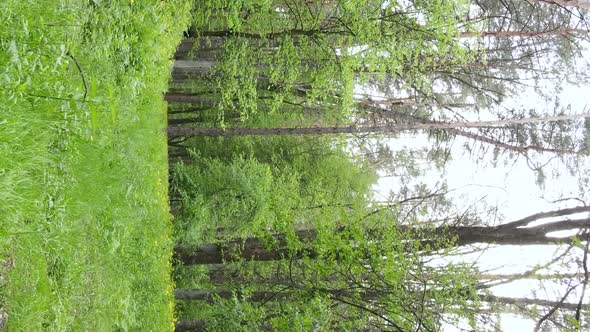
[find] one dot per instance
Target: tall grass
(85, 239)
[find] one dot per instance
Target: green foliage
(262, 186)
(309, 53)
(355, 269)
(236, 78)
(216, 195)
(235, 315)
(359, 276)
(85, 238)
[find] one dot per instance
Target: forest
(294, 165)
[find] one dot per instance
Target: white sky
(507, 184)
(511, 186)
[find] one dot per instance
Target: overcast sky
(511, 186)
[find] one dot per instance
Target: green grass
(85, 234)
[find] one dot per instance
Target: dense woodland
(279, 116)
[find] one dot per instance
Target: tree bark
(201, 325)
(208, 295)
(256, 249)
(527, 301)
(248, 249)
(378, 129)
(176, 121)
(262, 296)
(253, 35)
(580, 4)
(189, 110)
(184, 98)
(202, 53)
(190, 325)
(524, 34)
(409, 118)
(184, 69)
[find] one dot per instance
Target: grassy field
(85, 234)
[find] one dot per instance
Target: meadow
(85, 230)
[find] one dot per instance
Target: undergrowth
(85, 235)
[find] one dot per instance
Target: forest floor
(85, 232)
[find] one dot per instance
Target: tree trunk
(176, 121)
(511, 233)
(248, 249)
(255, 249)
(184, 98)
(201, 325)
(524, 34)
(262, 296)
(184, 69)
(210, 295)
(528, 301)
(202, 53)
(190, 325)
(580, 4)
(253, 35)
(189, 110)
(378, 129)
(231, 275)
(379, 113)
